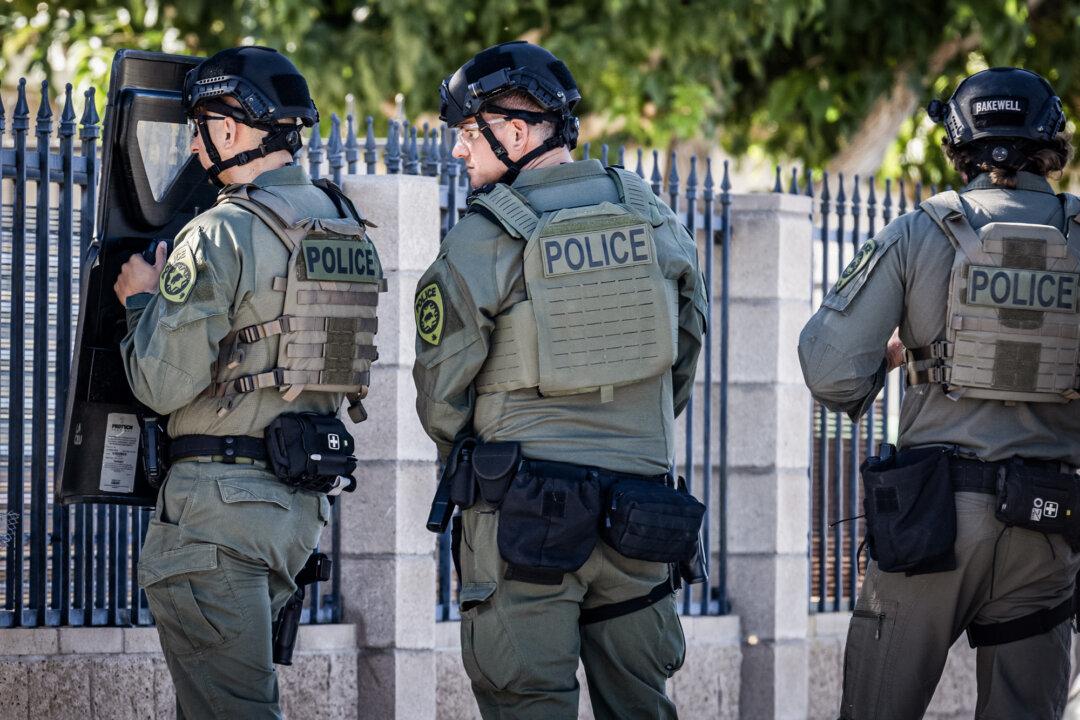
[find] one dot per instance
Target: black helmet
(268, 88)
(515, 66)
(1001, 102)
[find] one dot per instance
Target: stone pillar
(768, 450)
(388, 570)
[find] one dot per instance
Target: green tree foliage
(791, 79)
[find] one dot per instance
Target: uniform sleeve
(456, 302)
(693, 310)
(173, 335)
(842, 347)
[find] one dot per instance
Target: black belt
(572, 471)
(970, 475)
(229, 448)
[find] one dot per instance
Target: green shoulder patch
(178, 277)
(862, 257)
(430, 314)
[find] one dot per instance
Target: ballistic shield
(151, 186)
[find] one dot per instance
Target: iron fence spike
(725, 181)
(44, 112)
(67, 115)
(777, 186)
(825, 197)
(691, 180)
(90, 113)
(809, 182)
(585, 151)
(603, 154)
(903, 196)
(841, 196)
(21, 117)
(793, 188)
(656, 176)
(622, 155)
(708, 186)
(640, 170)
(350, 132)
(855, 196)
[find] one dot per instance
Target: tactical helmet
(268, 88)
(515, 66)
(1001, 102)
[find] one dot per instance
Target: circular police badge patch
(856, 265)
(430, 314)
(178, 277)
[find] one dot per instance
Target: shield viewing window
(165, 150)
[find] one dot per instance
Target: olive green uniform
(521, 641)
(226, 540)
(903, 626)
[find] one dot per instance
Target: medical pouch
(548, 521)
(910, 511)
(309, 451)
(1035, 499)
(650, 520)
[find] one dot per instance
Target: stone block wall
(120, 674)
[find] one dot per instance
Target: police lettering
(1023, 289)
(340, 260)
(585, 252)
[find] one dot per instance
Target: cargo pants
(218, 563)
(520, 641)
(903, 627)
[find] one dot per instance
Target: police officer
(559, 329)
(207, 334)
(981, 285)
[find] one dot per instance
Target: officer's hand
(138, 276)
(894, 351)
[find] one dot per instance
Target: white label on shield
(121, 453)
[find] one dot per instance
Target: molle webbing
(600, 313)
(327, 327)
(1012, 322)
(512, 211)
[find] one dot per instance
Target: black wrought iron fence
(839, 446)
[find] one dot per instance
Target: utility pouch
(548, 521)
(493, 467)
(310, 451)
(462, 485)
(1037, 499)
(155, 452)
(650, 520)
(910, 511)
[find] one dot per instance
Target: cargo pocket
(866, 654)
(490, 657)
(191, 598)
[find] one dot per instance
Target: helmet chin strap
(279, 137)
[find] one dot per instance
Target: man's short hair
(519, 100)
(1041, 158)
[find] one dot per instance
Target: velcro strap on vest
(934, 351)
(339, 297)
(279, 378)
(318, 350)
(512, 212)
(936, 375)
(288, 324)
(935, 354)
(589, 616)
(1037, 623)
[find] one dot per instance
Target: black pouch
(1038, 499)
(462, 485)
(493, 466)
(548, 521)
(650, 520)
(910, 511)
(309, 451)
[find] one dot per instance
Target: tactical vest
(1012, 320)
(600, 312)
(328, 324)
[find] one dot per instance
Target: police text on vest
(598, 250)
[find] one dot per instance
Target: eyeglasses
(468, 134)
(193, 123)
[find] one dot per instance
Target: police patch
(430, 314)
(856, 265)
(178, 277)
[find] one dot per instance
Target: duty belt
(229, 448)
(969, 475)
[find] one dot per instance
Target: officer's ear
(519, 134)
(228, 132)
